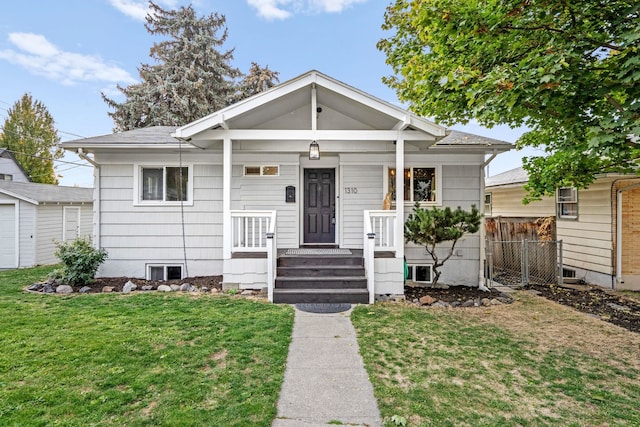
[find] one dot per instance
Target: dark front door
(319, 205)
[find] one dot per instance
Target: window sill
(165, 204)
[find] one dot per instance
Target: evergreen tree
(29, 133)
(191, 77)
(258, 80)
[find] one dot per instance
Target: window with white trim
(164, 272)
(272, 170)
(567, 202)
(487, 204)
(164, 184)
(6, 177)
(420, 184)
(420, 273)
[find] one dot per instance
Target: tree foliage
(29, 133)
(190, 79)
(258, 80)
(431, 227)
(569, 71)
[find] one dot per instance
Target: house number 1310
(350, 190)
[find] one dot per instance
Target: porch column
(399, 231)
(227, 166)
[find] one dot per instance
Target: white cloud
(283, 9)
(138, 9)
(38, 56)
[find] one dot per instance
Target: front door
(319, 206)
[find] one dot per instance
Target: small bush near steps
(80, 261)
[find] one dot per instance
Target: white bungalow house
(33, 217)
(285, 190)
(10, 169)
(599, 226)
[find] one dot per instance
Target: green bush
(80, 261)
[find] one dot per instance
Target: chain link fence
(518, 263)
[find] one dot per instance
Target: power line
(49, 158)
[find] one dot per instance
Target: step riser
(320, 283)
(292, 261)
(354, 271)
(301, 297)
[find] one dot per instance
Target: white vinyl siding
(368, 180)
(268, 193)
(8, 234)
(507, 202)
(136, 235)
(28, 235)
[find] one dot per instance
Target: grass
(138, 360)
(531, 363)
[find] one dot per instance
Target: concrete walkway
(325, 380)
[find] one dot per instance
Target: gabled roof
(8, 155)
(455, 137)
(333, 90)
(46, 193)
(510, 177)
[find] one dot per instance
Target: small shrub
(80, 261)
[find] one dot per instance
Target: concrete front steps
(320, 279)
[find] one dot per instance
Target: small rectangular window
(487, 204)
(567, 202)
(261, 170)
(164, 272)
(420, 273)
(6, 177)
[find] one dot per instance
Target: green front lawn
(144, 359)
(531, 363)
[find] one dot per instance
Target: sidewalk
(325, 381)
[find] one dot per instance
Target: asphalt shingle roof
(46, 193)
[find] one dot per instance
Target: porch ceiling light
(314, 151)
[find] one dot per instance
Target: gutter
(619, 231)
(96, 196)
(481, 279)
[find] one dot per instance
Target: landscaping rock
(164, 288)
(495, 301)
(129, 287)
(469, 303)
(64, 289)
(147, 288)
(186, 287)
(427, 300)
(36, 287)
(215, 290)
(204, 289)
(48, 289)
(456, 304)
(85, 289)
(485, 302)
(247, 293)
(441, 304)
(175, 288)
(107, 289)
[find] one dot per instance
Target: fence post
(525, 262)
(560, 264)
(489, 258)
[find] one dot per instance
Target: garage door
(7, 236)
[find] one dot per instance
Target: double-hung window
(164, 184)
(567, 202)
(420, 184)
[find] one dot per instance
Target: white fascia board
(129, 146)
(380, 105)
(19, 196)
(219, 118)
(319, 135)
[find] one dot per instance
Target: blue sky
(65, 53)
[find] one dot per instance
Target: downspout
(619, 232)
(96, 196)
(481, 281)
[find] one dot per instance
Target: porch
(314, 274)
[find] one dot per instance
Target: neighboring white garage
(35, 216)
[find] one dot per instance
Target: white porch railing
(379, 235)
(249, 230)
(254, 231)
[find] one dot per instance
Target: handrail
(249, 230)
(369, 255)
(382, 223)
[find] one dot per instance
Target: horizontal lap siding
(148, 234)
(508, 202)
(48, 231)
(267, 193)
(368, 182)
(587, 241)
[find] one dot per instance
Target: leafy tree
(430, 227)
(258, 80)
(569, 71)
(29, 133)
(191, 77)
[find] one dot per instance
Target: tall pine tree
(258, 80)
(191, 77)
(29, 133)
